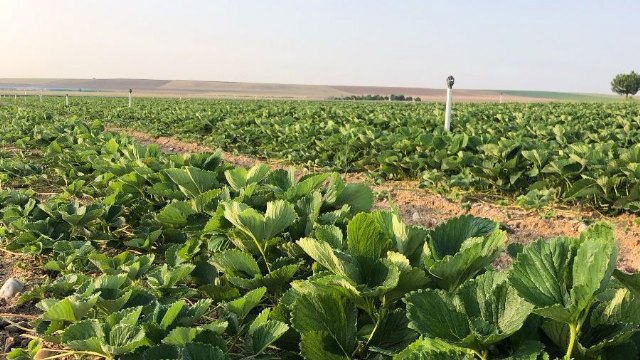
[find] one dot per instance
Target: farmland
(144, 254)
(541, 153)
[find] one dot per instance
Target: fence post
(447, 113)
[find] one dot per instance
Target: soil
(13, 317)
(427, 208)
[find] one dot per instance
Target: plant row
(539, 153)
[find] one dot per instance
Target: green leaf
(409, 240)
(320, 345)
(162, 351)
(330, 234)
(180, 336)
(540, 270)
(70, 309)
(434, 314)
(434, 349)
(336, 262)
(265, 334)
(359, 197)
(599, 251)
(479, 314)
(528, 350)
(198, 351)
(327, 324)
(278, 216)
(85, 335)
(393, 333)
(176, 214)
(366, 243)
(240, 177)
(124, 339)
(630, 281)
(448, 237)
(243, 305)
(475, 254)
(562, 276)
(236, 263)
(305, 187)
(193, 181)
(171, 314)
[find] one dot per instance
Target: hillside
(193, 88)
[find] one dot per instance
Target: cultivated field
(221, 89)
(323, 230)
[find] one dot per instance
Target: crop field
(131, 252)
(587, 153)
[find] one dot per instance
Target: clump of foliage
(626, 84)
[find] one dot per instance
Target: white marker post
(40, 95)
(130, 96)
(66, 99)
(447, 113)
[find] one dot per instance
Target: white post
(447, 111)
(40, 95)
(500, 98)
(130, 92)
(66, 99)
(447, 114)
(15, 97)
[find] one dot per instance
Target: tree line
(392, 97)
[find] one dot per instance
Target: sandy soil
(426, 208)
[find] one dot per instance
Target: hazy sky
(534, 45)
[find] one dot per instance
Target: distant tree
(626, 84)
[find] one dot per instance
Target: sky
(524, 45)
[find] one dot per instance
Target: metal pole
(447, 113)
(130, 92)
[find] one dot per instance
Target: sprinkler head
(450, 81)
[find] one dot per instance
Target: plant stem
(381, 316)
(264, 256)
(573, 334)
(483, 355)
